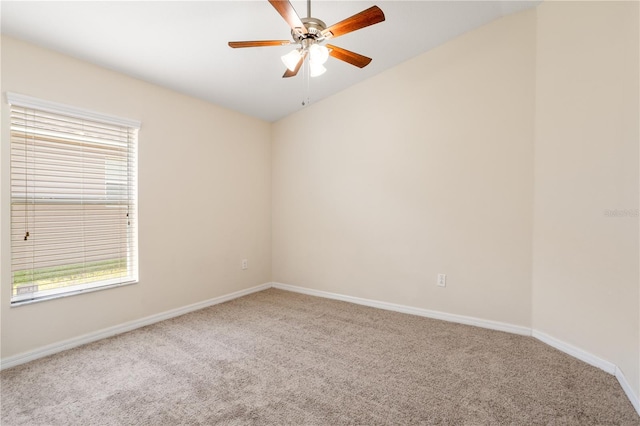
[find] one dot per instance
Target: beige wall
(205, 191)
(585, 269)
(426, 168)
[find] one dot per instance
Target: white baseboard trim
(51, 349)
(626, 387)
(575, 352)
(460, 319)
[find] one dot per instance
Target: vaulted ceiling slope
(183, 45)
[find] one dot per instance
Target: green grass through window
(67, 275)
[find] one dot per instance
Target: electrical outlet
(245, 264)
(442, 280)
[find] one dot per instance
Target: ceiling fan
(310, 33)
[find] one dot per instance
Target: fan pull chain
(308, 81)
(305, 82)
(304, 72)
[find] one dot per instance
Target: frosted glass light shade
(318, 54)
(316, 69)
(291, 59)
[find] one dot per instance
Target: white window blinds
(73, 200)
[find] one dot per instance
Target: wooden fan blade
(288, 73)
(259, 43)
(348, 56)
(289, 14)
(371, 16)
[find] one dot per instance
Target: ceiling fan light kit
(318, 53)
(316, 69)
(309, 33)
(290, 60)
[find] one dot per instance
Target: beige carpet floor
(278, 358)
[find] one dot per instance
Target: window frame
(23, 101)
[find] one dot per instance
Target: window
(73, 200)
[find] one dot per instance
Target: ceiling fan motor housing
(314, 30)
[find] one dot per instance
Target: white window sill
(38, 299)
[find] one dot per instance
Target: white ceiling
(183, 45)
